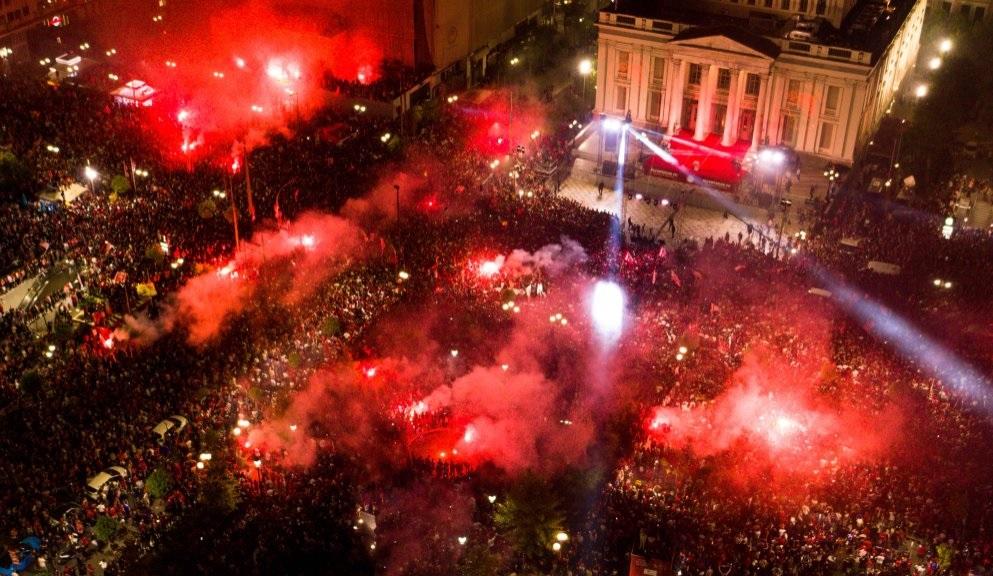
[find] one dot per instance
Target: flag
(277, 212)
(145, 289)
(655, 274)
(248, 190)
(662, 252)
(675, 279)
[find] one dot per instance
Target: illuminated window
(827, 136)
(623, 64)
(793, 93)
(832, 98)
(654, 104)
(696, 72)
(752, 84)
(621, 99)
(658, 69)
(724, 79)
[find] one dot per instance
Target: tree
(207, 209)
(479, 560)
(31, 382)
(158, 483)
(219, 491)
(15, 178)
(105, 529)
(530, 517)
(120, 185)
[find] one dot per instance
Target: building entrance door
(688, 121)
(747, 125)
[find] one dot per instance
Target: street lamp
(945, 46)
(585, 69)
(921, 91)
(934, 63)
(91, 174)
(5, 53)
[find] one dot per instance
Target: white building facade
(726, 80)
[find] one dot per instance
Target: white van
(174, 423)
(96, 487)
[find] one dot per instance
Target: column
(603, 70)
(707, 87)
(678, 87)
(731, 116)
(760, 112)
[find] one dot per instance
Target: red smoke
(771, 417)
(315, 246)
(239, 71)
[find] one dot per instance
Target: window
(658, 69)
(724, 79)
(623, 64)
(621, 100)
(832, 97)
(752, 84)
(768, 3)
(793, 93)
(784, 4)
(804, 5)
(821, 7)
(654, 104)
(979, 14)
(789, 130)
(827, 136)
(696, 71)
(946, 7)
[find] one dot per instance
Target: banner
(641, 566)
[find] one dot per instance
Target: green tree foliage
(219, 490)
(105, 529)
(479, 560)
(120, 185)
(158, 483)
(530, 517)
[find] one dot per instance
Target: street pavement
(699, 216)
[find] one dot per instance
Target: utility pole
(396, 188)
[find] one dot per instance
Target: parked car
(97, 486)
(171, 425)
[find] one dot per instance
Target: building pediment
(727, 39)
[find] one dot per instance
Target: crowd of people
(72, 408)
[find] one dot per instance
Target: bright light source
(945, 46)
(921, 90)
(934, 63)
(562, 537)
(585, 66)
(612, 124)
(90, 173)
(403, 275)
(556, 546)
(608, 308)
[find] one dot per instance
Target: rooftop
(869, 26)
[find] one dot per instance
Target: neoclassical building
(814, 75)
